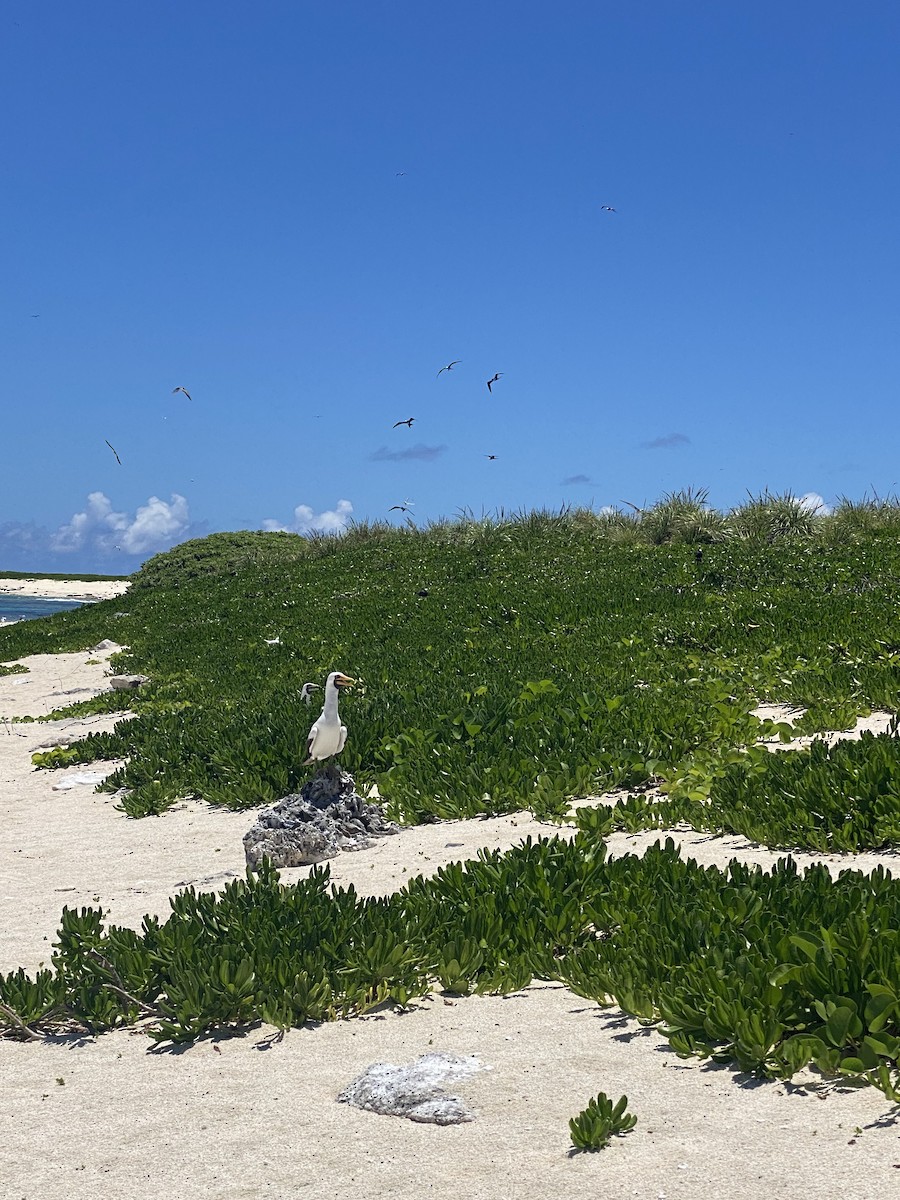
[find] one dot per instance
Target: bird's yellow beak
(344, 681)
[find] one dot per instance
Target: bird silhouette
(494, 380)
(449, 366)
(408, 423)
(491, 456)
(398, 508)
(606, 208)
(112, 447)
(181, 389)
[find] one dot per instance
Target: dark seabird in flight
(449, 366)
(494, 380)
(408, 424)
(181, 389)
(398, 508)
(112, 447)
(491, 456)
(606, 208)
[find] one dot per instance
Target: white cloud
(332, 520)
(812, 502)
(156, 526)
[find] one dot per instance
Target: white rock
(79, 779)
(415, 1090)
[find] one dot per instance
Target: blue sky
(300, 211)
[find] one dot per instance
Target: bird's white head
(339, 680)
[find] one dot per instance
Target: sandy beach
(64, 589)
(240, 1115)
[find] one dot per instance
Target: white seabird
(328, 736)
(307, 690)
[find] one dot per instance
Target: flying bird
(112, 447)
(181, 389)
(408, 424)
(494, 380)
(449, 366)
(307, 690)
(634, 506)
(491, 456)
(328, 736)
(398, 508)
(606, 208)
(398, 173)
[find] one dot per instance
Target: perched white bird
(307, 690)
(328, 736)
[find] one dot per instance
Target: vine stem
(17, 1020)
(117, 988)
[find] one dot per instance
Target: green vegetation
(503, 664)
(601, 1120)
(771, 971)
(824, 799)
(223, 555)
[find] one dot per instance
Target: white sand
(64, 589)
(876, 722)
(239, 1116)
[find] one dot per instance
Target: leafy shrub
(768, 970)
(601, 1120)
(842, 797)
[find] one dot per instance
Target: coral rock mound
(326, 816)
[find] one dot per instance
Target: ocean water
(25, 608)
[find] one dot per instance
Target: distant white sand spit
(65, 589)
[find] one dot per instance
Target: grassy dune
(502, 664)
